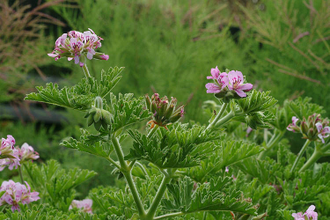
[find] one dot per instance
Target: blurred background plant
(166, 47)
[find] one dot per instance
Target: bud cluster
(164, 112)
(227, 85)
(98, 116)
(313, 128)
(76, 45)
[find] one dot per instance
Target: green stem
(85, 70)
(299, 155)
(316, 155)
(20, 174)
(225, 119)
(211, 125)
(271, 144)
(113, 162)
(127, 173)
(159, 195)
(169, 215)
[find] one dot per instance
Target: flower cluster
(13, 157)
(164, 112)
(85, 205)
(227, 85)
(16, 193)
(8, 153)
(314, 128)
(310, 214)
(77, 46)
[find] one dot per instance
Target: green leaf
(176, 147)
(93, 144)
(126, 110)
(80, 96)
(255, 102)
(226, 153)
(56, 185)
(216, 195)
(304, 108)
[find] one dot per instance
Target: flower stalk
(159, 196)
(126, 170)
(299, 155)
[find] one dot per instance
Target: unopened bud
(98, 102)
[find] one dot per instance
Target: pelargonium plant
(178, 170)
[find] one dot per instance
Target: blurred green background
(167, 47)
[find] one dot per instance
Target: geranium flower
(293, 126)
(298, 216)
(27, 153)
(85, 205)
(220, 81)
(310, 213)
(77, 46)
(16, 193)
(323, 132)
(236, 80)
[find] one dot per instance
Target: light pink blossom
(323, 132)
(27, 153)
(310, 213)
(16, 193)
(85, 205)
(236, 80)
(293, 126)
(298, 216)
(220, 81)
(78, 46)
(7, 147)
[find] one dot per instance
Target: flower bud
(164, 111)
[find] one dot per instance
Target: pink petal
(319, 126)
(215, 72)
(212, 88)
(240, 93)
(246, 87)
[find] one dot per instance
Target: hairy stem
(215, 120)
(225, 119)
(316, 155)
(299, 155)
(85, 70)
(169, 215)
(113, 162)
(271, 144)
(127, 173)
(20, 174)
(158, 197)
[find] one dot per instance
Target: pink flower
(293, 126)
(248, 131)
(298, 216)
(85, 205)
(220, 81)
(16, 193)
(7, 147)
(322, 132)
(78, 46)
(27, 153)
(236, 80)
(310, 213)
(227, 170)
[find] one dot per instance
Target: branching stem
(215, 120)
(126, 170)
(159, 195)
(299, 155)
